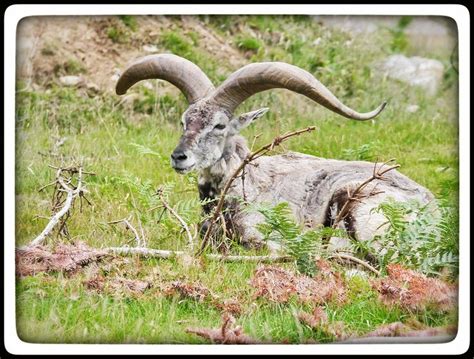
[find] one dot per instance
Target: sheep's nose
(179, 155)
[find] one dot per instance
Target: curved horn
(182, 73)
(263, 76)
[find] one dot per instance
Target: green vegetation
(304, 246)
(128, 146)
(129, 21)
(117, 34)
(249, 44)
(365, 152)
(399, 39)
(427, 242)
(69, 67)
(48, 49)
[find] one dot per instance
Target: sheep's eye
(219, 127)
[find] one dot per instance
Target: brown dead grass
(415, 291)
(117, 285)
(398, 329)
(187, 290)
(231, 306)
(319, 321)
(278, 285)
(228, 333)
(201, 293)
(65, 257)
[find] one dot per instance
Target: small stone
(148, 85)
(129, 99)
(412, 108)
(355, 273)
(70, 81)
(416, 71)
(92, 87)
(150, 48)
(115, 77)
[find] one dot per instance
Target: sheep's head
(206, 129)
(209, 121)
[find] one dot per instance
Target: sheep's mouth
(183, 170)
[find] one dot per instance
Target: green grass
(129, 21)
(249, 44)
(128, 147)
(69, 67)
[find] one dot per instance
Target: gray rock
(150, 48)
(412, 108)
(93, 88)
(416, 71)
(435, 34)
(350, 273)
(71, 81)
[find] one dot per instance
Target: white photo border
(15, 13)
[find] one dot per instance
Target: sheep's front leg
(246, 227)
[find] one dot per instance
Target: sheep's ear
(245, 119)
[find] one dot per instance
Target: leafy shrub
(116, 34)
(422, 237)
(129, 21)
(69, 67)
(249, 44)
(364, 152)
(176, 43)
(399, 39)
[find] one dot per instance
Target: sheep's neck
(212, 180)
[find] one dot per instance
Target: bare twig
(62, 185)
(47, 185)
(159, 192)
(356, 260)
(252, 156)
(254, 140)
(356, 195)
(128, 225)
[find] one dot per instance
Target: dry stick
(252, 156)
(72, 193)
(165, 254)
(47, 185)
(128, 225)
(357, 260)
(178, 217)
(73, 169)
(356, 194)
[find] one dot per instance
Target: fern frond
(143, 150)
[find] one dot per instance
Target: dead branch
(166, 254)
(128, 225)
(62, 185)
(356, 195)
(252, 156)
(159, 192)
(356, 260)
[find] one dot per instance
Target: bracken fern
(304, 246)
(418, 236)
